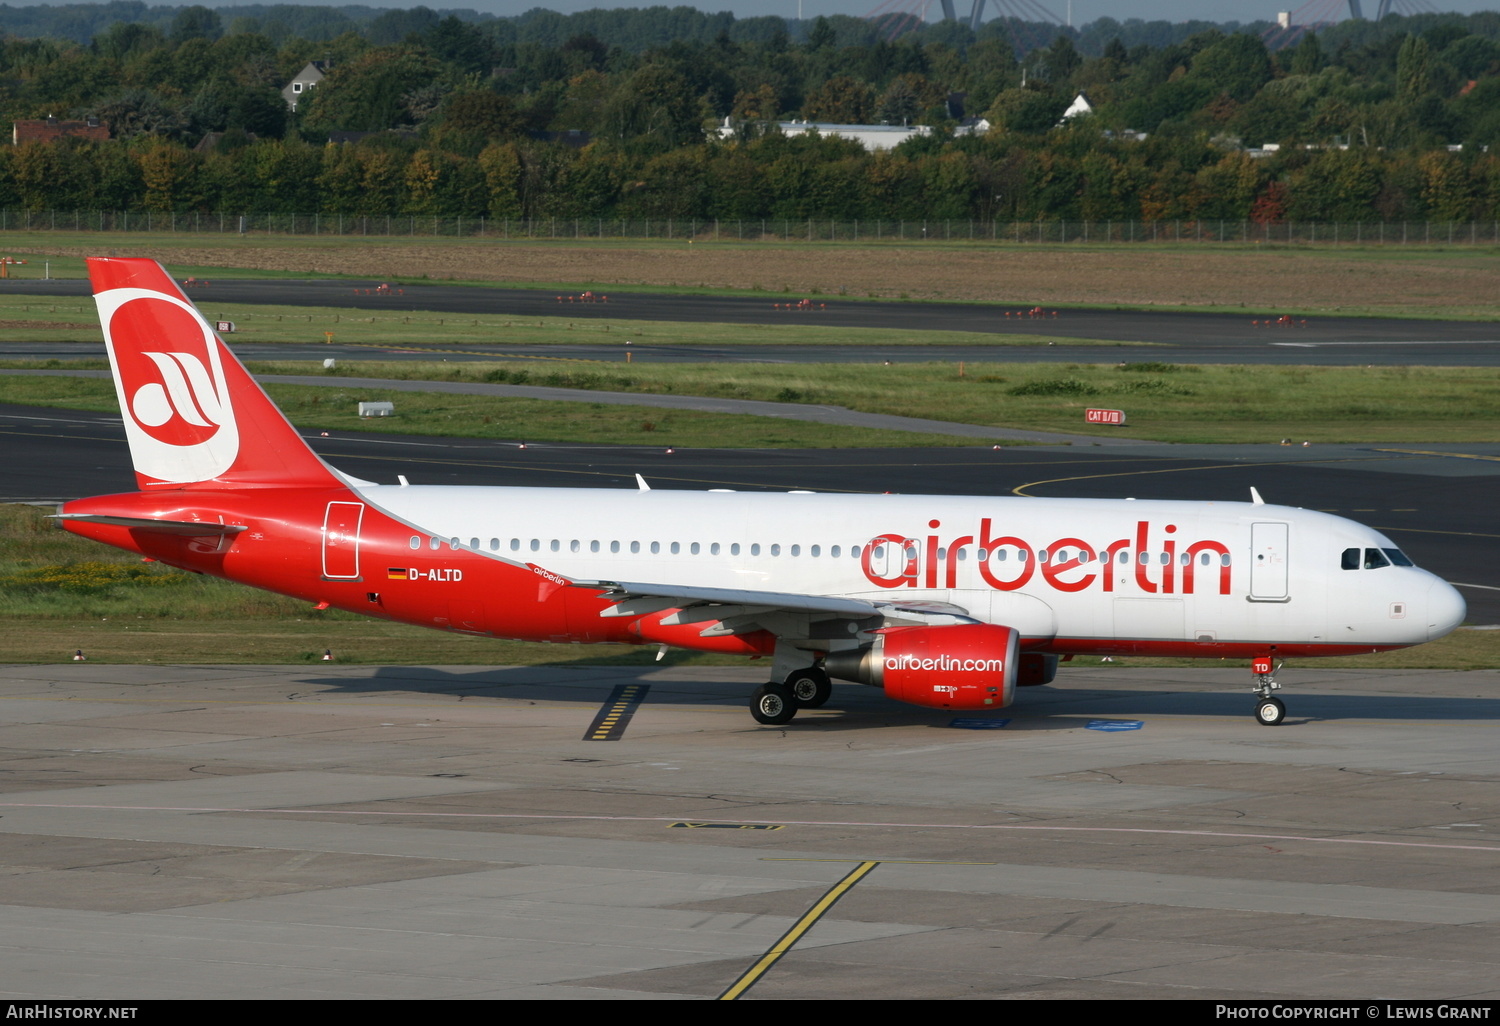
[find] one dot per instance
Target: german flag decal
(395, 573)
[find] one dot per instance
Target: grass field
(29, 319)
(1390, 280)
(60, 594)
(1165, 402)
(315, 408)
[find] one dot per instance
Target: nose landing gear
(1269, 711)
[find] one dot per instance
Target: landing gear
(773, 704)
(810, 687)
(1269, 711)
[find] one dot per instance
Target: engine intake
(962, 666)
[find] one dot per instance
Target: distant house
(50, 129)
(1080, 105)
(872, 137)
(303, 81)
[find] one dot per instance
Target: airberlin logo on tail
(182, 408)
(1166, 565)
(170, 380)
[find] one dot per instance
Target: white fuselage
(1078, 571)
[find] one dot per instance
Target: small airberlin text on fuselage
(932, 563)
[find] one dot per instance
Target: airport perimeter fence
(1015, 232)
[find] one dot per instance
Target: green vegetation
(472, 119)
(316, 408)
(60, 593)
(76, 320)
(1226, 404)
(1185, 404)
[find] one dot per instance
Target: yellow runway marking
(792, 936)
(610, 723)
(823, 904)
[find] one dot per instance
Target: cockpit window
(1351, 559)
(1374, 559)
(1398, 557)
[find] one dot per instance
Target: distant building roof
(51, 129)
(872, 137)
(311, 74)
(1080, 105)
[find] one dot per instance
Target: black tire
(1269, 712)
(773, 704)
(810, 687)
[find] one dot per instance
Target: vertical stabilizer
(193, 415)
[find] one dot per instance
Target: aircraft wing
(724, 611)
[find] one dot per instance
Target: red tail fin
(193, 414)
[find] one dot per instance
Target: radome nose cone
(1446, 609)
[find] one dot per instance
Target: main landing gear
(774, 704)
(1269, 711)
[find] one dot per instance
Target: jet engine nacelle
(962, 666)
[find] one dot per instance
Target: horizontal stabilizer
(189, 528)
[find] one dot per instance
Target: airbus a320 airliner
(950, 603)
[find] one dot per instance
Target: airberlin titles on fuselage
(1167, 569)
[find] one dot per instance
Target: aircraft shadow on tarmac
(855, 707)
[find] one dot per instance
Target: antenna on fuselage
(1255, 497)
(641, 481)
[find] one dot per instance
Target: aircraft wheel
(810, 687)
(773, 704)
(1269, 712)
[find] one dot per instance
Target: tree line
(1374, 121)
